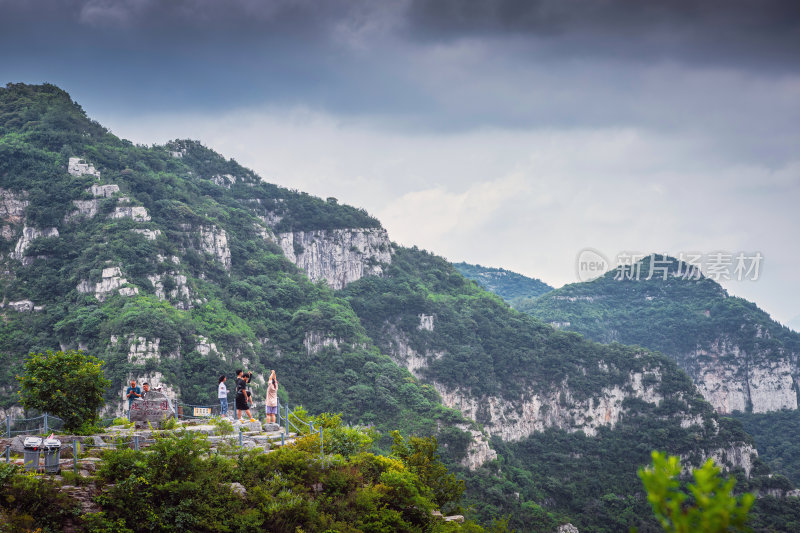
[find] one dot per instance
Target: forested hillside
(509, 286)
(175, 265)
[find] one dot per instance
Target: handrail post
(8, 454)
(75, 455)
(8, 426)
(321, 449)
(311, 427)
(136, 442)
(287, 418)
(241, 437)
(283, 438)
(45, 424)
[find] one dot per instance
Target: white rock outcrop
(137, 213)
(731, 379)
(735, 456)
(111, 281)
(224, 180)
(22, 306)
(404, 355)
(149, 234)
(179, 293)
(478, 451)
(338, 256)
(84, 209)
(141, 349)
(78, 167)
(214, 240)
(12, 211)
(28, 236)
(204, 347)
(315, 341)
(104, 191)
(425, 322)
(211, 240)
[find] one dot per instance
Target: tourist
(241, 397)
(131, 394)
(248, 378)
(222, 394)
(145, 389)
(272, 398)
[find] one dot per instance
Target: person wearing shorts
(272, 398)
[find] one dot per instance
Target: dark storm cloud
(685, 30)
(759, 33)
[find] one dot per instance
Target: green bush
(706, 505)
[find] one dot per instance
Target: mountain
(509, 286)
(175, 265)
(740, 359)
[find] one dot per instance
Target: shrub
(707, 505)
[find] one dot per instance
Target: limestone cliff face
(479, 451)
(78, 167)
(28, 236)
(12, 211)
(211, 240)
(110, 281)
(556, 408)
(338, 256)
(731, 379)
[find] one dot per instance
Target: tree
(709, 506)
(69, 385)
(421, 457)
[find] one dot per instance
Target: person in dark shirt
(242, 400)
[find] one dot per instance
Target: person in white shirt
(222, 394)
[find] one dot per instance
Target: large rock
(153, 409)
(338, 256)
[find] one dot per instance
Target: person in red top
(272, 398)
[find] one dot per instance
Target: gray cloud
(763, 33)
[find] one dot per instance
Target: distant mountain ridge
(510, 286)
(739, 357)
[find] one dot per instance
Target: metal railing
(45, 423)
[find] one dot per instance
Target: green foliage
(222, 425)
(777, 438)
(69, 385)
(708, 504)
(508, 285)
(177, 485)
(420, 455)
(28, 501)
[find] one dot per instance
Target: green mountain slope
(171, 276)
(509, 286)
(175, 265)
(570, 419)
(739, 357)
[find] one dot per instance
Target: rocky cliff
(338, 256)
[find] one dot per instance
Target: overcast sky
(510, 133)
